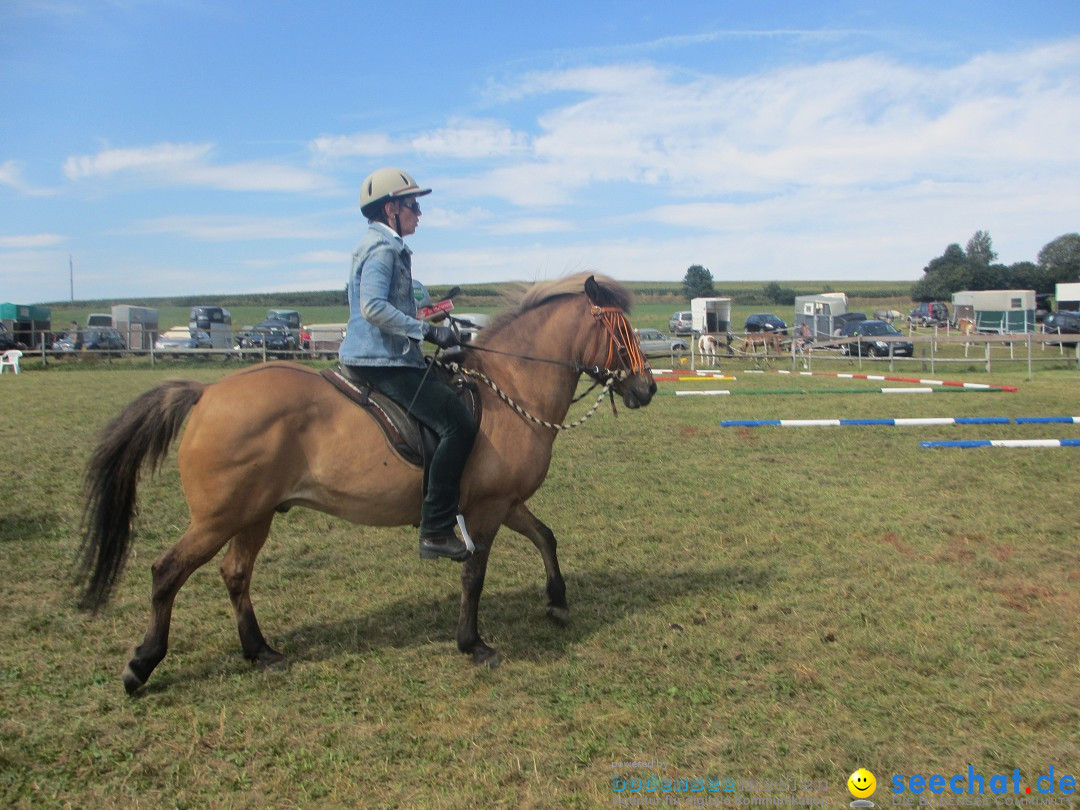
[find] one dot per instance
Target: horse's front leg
(473, 571)
(524, 522)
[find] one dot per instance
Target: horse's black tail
(141, 434)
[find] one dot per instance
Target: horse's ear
(594, 291)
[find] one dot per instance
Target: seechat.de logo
(861, 785)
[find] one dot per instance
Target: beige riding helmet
(387, 184)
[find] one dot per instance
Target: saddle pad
(410, 439)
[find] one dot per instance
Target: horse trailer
(137, 325)
(710, 316)
(216, 322)
(1003, 311)
(1067, 297)
(816, 316)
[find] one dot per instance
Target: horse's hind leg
(170, 571)
(236, 569)
(522, 521)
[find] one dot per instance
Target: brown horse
(312, 447)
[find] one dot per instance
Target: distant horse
(887, 315)
(286, 427)
(709, 348)
(767, 342)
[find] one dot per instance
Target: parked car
(653, 341)
(842, 320)
(870, 343)
(276, 335)
(765, 322)
(99, 338)
(469, 323)
(929, 313)
(182, 338)
(681, 323)
(1063, 322)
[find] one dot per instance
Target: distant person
(76, 336)
(382, 342)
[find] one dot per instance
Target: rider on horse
(382, 344)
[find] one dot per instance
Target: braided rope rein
(612, 376)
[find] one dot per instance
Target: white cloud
(190, 165)
(34, 240)
(466, 140)
(337, 258)
(859, 122)
(375, 144)
(11, 176)
(229, 228)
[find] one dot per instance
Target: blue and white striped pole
(1005, 443)
(959, 420)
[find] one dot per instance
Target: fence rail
(929, 350)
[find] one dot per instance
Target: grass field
(771, 606)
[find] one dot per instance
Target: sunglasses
(412, 205)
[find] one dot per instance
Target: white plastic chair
(10, 358)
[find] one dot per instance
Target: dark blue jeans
(439, 408)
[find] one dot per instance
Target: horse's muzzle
(637, 391)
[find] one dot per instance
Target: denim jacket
(383, 329)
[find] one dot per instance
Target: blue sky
(178, 147)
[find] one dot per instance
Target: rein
(622, 346)
(490, 383)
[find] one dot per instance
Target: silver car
(681, 323)
(655, 342)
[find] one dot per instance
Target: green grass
(745, 604)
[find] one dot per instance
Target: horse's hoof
(559, 615)
(132, 682)
(486, 656)
(272, 660)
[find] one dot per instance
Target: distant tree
(943, 276)
(698, 282)
(781, 296)
(980, 250)
(1060, 259)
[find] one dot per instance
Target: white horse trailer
(710, 316)
(1067, 297)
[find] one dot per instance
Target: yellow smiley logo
(861, 784)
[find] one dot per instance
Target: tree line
(970, 268)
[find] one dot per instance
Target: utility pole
(71, 277)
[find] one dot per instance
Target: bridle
(622, 347)
(622, 344)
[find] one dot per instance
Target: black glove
(442, 336)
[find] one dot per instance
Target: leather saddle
(412, 440)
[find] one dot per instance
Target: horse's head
(617, 354)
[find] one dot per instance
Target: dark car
(102, 338)
(1063, 322)
(765, 322)
(845, 318)
(276, 336)
(870, 334)
(929, 313)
